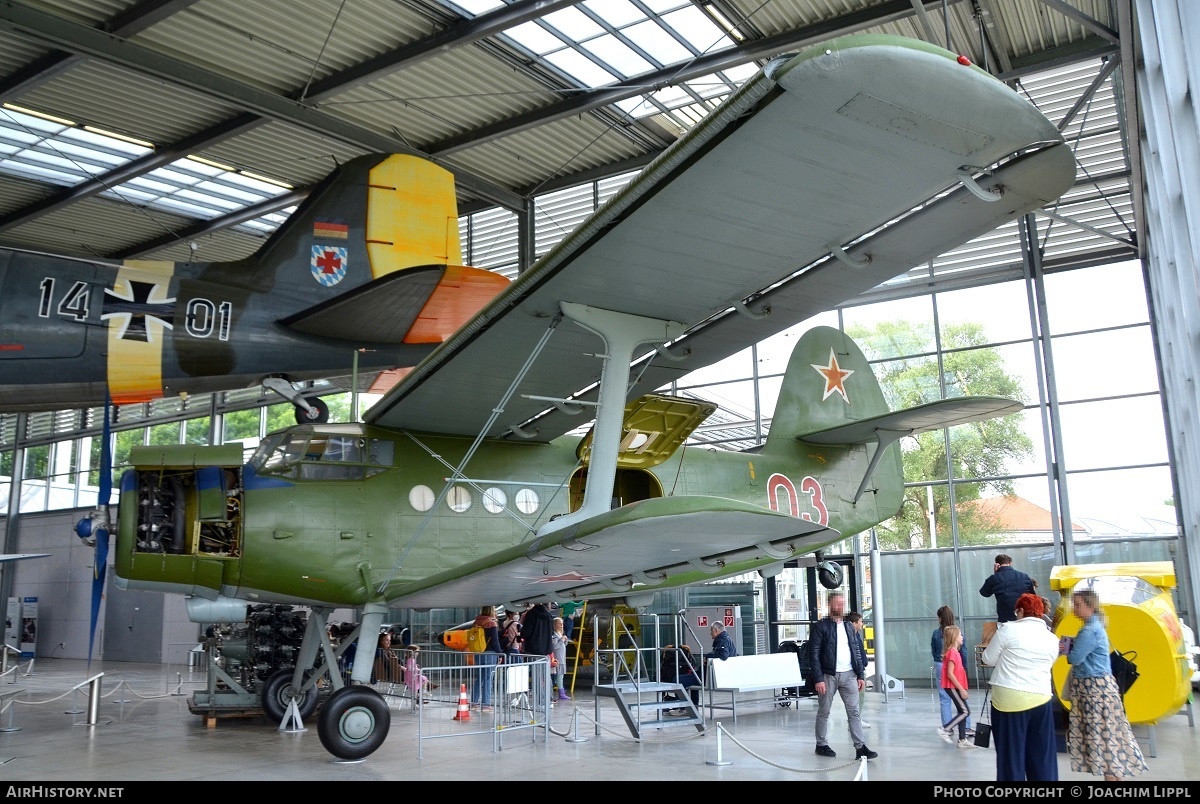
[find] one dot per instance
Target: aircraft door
(631, 485)
(51, 310)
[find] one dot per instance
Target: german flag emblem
(331, 230)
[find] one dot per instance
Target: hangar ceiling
(188, 129)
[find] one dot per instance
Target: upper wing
(621, 552)
(805, 160)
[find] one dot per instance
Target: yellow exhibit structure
(1136, 602)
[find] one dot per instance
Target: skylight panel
(574, 23)
(150, 185)
(169, 175)
(37, 172)
(694, 26)
(191, 210)
(474, 8)
(255, 185)
(581, 68)
(99, 142)
(534, 38)
(618, 55)
(89, 155)
(651, 37)
(53, 160)
(208, 199)
(28, 122)
(663, 6)
(615, 12)
(246, 197)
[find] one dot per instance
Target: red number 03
(809, 485)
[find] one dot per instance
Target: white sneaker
(965, 743)
(864, 724)
(945, 735)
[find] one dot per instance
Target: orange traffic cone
(464, 706)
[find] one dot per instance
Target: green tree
(981, 450)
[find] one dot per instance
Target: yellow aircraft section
(1139, 614)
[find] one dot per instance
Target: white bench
(739, 674)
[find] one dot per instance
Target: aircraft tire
(319, 414)
(354, 722)
(277, 694)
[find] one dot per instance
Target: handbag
(983, 729)
(1068, 693)
(1124, 669)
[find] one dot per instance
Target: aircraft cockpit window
(279, 450)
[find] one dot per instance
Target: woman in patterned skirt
(1099, 738)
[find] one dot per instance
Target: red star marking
(328, 262)
(566, 577)
(835, 377)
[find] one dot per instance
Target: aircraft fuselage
(75, 330)
(333, 514)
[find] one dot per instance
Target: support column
(622, 333)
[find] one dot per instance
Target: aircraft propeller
(94, 528)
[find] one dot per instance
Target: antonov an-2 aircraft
(364, 275)
(828, 173)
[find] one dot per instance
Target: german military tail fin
(376, 246)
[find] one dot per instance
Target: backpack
(511, 637)
(476, 639)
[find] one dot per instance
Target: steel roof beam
(136, 167)
(1093, 25)
(83, 40)
(126, 24)
(215, 224)
(462, 33)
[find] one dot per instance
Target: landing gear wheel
(277, 694)
(318, 415)
(354, 722)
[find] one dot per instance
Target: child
(413, 677)
(559, 641)
(954, 681)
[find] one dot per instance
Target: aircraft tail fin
(380, 231)
(828, 384)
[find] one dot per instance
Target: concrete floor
(153, 736)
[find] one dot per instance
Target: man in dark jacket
(1007, 584)
(722, 646)
(837, 661)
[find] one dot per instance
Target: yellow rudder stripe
(135, 365)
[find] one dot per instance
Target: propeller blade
(100, 530)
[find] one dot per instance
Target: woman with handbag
(1099, 738)
(1022, 715)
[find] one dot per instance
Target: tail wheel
(319, 414)
(354, 722)
(277, 694)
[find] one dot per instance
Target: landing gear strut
(308, 411)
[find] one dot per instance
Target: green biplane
(829, 173)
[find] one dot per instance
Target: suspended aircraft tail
(377, 245)
(832, 409)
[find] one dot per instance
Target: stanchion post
(575, 729)
(719, 760)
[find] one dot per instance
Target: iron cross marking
(137, 307)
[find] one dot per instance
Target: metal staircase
(641, 701)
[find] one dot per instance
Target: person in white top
(1021, 655)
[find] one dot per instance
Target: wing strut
(622, 333)
(458, 471)
(883, 440)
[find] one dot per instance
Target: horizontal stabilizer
(645, 546)
(417, 305)
(918, 419)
